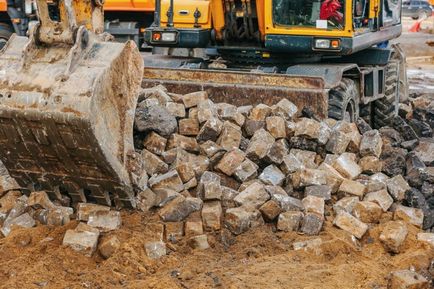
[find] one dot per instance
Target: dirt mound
(35, 258)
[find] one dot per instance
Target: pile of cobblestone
(211, 166)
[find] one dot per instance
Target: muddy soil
(35, 258)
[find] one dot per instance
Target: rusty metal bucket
(243, 87)
(66, 115)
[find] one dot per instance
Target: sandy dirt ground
(34, 258)
(262, 258)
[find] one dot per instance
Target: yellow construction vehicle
(127, 19)
(329, 55)
(124, 19)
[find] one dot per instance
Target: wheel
(386, 108)
(365, 112)
(343, 101)
(415, 17)
(398, 55)
(5, 34)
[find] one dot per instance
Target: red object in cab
(329, 10)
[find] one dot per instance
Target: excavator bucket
(243, 87)
(67, 102)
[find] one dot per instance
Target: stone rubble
(85, 209)
(351, 224)
(109, 246)
(199, 242)
(407, 279)
(289, 221)
(105, 220)
(393, 235)
(82, 239)
(426, 237)
(367, 212)
(155, 250)
(214, 167)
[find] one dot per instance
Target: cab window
(310, 13)
(361, 13)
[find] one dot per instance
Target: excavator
(124, 19)
(68, 95)
(330, 55)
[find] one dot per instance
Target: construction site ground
(419, 54)
(35, 257)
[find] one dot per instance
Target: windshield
(322, 14)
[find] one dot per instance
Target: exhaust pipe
(170, 15)
(157, 20)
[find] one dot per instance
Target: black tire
(5, 34)
(343, 101)
(386, 108)
(365, 112)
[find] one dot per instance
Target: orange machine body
(114, 5)
(124, 19)
(129, 5)
(3, 6)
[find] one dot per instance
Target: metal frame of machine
(245, 34)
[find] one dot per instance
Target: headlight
(159, 36)
(156, 36)
(168, 37)
(327, 44)
(335, 44)
(322, 43)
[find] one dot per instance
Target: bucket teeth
(38, 154)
